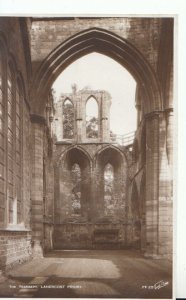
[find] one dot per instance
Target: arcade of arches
(64, 185)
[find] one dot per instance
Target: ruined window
(68, 119)
(92, 118)
(76, 189)
(109, 189)
(2, 141)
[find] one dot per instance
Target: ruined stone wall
(93, 236)
(152, 37)
(94, 228)
(79, 101)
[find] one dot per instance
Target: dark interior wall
(15, 242)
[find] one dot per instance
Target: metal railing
(124, 139)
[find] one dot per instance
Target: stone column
(97, 205)
(152, 188)
(169, 135)
(165, 185)
(79, 120)
(37, 209)
(58, 121)
(105, 118)
(83, 117)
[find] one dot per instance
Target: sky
(103, 73)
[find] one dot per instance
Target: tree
(92, 128)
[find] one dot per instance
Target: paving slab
(90, 274)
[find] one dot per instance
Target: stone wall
(15, 242)
(138, 31)
(92, 159)
(13, 30)
(48, 195)
(152, 159)
(79, 101)
(15, 248)
(93, 236)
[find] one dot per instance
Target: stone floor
(90, 274)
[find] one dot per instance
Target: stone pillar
(138, 104)
(58, 121)
(37, 209)
(97, 205)
(105, 119)
(169, 135)
(165, 185)
(79, 120)
(152, 188)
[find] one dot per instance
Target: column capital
(156, 113)
(37, 119)
(169, 110)
(153, 114)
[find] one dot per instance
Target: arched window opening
(108, 189)
(68, 119)
(76, 189)
(121, 86)
(91, 118)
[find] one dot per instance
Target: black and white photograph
(86, 156)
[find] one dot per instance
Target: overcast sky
(101, 72)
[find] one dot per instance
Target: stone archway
(113, 156)
(101, 41)
(72, 191)
(110, 44)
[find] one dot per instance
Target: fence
(123, 140)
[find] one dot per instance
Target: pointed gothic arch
(104, 42)
(92, 117)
